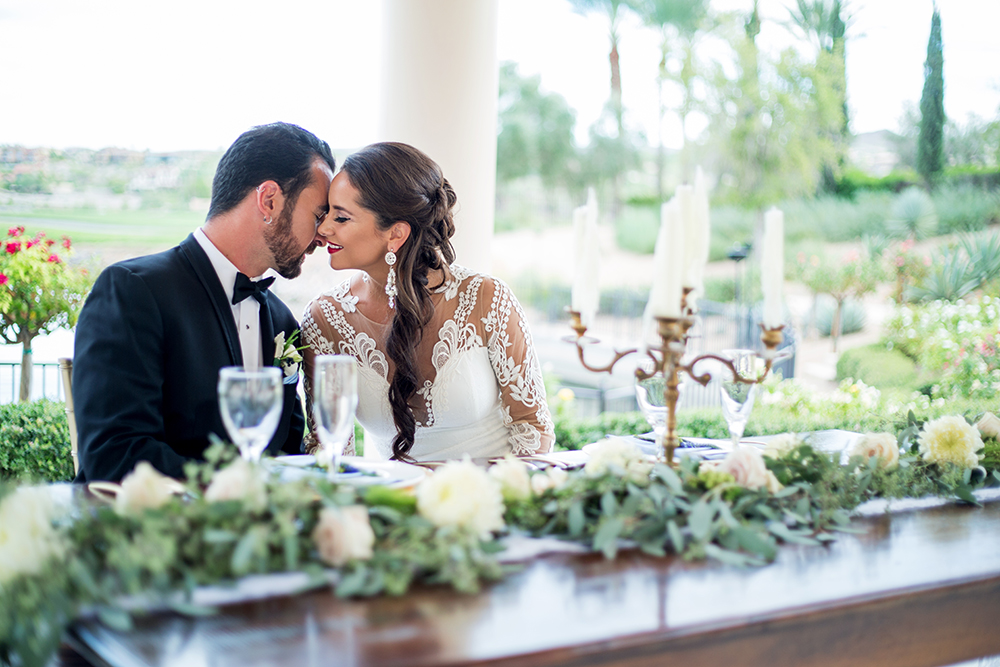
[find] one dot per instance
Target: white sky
(193, 74)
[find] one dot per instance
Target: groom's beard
(281, 242)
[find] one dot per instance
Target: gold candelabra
(667, 359)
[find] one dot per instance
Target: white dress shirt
(246, 313)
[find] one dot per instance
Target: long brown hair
(397, 182)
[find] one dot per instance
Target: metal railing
(46, 381)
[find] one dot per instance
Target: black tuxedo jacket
(150, 341)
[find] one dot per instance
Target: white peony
(512, 474)
(614, 455)
(780, 445)
(461, 494)
(144, 488)
(989, 425)
(950, 440)
(553, 478)
(27, 537)
(240, 480)
(882, 445)
(746, 465)
(343, 534)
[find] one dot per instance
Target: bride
(446, 364)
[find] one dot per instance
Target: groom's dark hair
(279, 152)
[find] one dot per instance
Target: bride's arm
(518, 372)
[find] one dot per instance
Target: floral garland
(233, 519)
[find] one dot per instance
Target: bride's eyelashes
(340, 218)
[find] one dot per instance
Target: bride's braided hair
(397, 182)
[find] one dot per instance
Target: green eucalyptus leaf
(609, 504)
(575, 518)
(606, 537)
(756, 542)
(700, 520)
(115, 618)
(729, 557)
(788, 535)
(675, 535)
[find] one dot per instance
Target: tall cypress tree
(930, 143)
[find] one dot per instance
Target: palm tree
(685, 17)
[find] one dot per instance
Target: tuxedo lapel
(267, 333)
(203, 268)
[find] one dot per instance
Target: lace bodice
(481, 385)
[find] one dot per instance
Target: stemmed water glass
(335, 399)
(250, 404)
(738, 397)
(649, 394)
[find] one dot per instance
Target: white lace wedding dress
(482, 391)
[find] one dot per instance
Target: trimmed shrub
(878, 366)
(34, 442)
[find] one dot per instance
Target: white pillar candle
(702, 231)
(772, 269)
(685, 203)
(665, 296)
(586, 294)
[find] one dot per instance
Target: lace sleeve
(512, 355)
(320, 337)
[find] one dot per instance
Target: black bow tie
(246, 288)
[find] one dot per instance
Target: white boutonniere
(287, 357)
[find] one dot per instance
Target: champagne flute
(250, 402)
(335, 399)
(738, 397)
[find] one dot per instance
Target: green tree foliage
(677, 22)
(930, 142)
(39, 292)
(536, 131)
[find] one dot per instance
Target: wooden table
(917, 588)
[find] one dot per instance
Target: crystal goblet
(250, 405)
(737, 396)
(335, 400)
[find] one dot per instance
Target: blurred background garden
(892, 254)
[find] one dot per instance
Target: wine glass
(649, 394)
(250, 403)
(738, 397)
(335, 398)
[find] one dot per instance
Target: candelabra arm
(577, 325)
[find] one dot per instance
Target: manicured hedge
(878, 366)
(34, 442)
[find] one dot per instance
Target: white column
(439, 93)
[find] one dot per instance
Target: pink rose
(66, 242)
(3, 279)
(13, 247)
(343, 534)
(746, 465)
(54, 259)
(15, 231)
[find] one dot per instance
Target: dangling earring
(390, 281)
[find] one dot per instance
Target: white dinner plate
(394, 474)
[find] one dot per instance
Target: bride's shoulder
(340, 296)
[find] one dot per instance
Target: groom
(155, 330)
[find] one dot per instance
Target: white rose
(780, 445)
(989, 425)
(746, 465)
(240, 480)
(614, 455)
(144, 488)
(343, 534)
(512, 474)
(553, 478)
(27, 537)
(461, 494)
(950, 440)
(882, 445)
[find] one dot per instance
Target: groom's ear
(399, 233)
(269, 199)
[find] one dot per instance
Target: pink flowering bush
(39, 292)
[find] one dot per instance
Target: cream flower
(240, 480)
(144, 488)
(621, 457)
(461, 494)
(27, 538)
(343, 534)
(746, 465)
(989, 425)
(512, 474)
(950, 440)
(882, 445)
(553, 478)
(780, 445)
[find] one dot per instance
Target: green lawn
(144, 227)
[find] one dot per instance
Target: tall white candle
(772, 269)
(586, 252)
(668, 259)
(702, 227)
